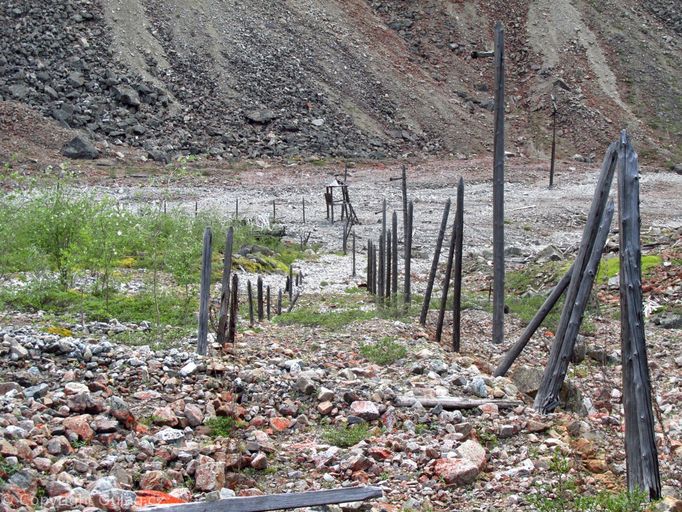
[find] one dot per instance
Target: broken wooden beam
(277, 501)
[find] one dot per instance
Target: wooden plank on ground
(277, 501)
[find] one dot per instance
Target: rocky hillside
(352, 78)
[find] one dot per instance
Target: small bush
(221, 426)
(345, 436)
(384, 352)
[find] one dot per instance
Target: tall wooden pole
(446, 284)
(404, 190)
(353, 249)
(389, 264)
(394, 269)
(259, 298)
(408, 255)
(382, 249)
(498, 191)
(434, 264)
(640, 442)
(457, 269)
(249, 295)
(204, 294)
(225, 287)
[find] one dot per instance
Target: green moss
(332, 320)
(609, 267)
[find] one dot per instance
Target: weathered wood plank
(277, 501)
(225, 287)
(452, 403)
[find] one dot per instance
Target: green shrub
(385, 351)
(221, 426)
(345, 436)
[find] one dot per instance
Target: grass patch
(384, 352)
(331, 320)
(222, 426)
(609, 267)
(345, 436)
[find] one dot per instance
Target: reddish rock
(364, 409)
(59, 445)
(259, 461)
(280, 423)
(358, 463)
(193, 414)
(7, 449)
(325, 408)
(489, 408)
(456, 471)
(210, 475)
(80, 425)
(472, 452)
(15, 497)
(155, 481)
(119, 410)
(165, 416)
(379, 453)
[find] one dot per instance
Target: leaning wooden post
(498, 191)
(394, 268)
(234, 309)
(457, 269)
(204, 294)
(640, 442)
(532, 326)
(546, 398)
(225, 287)
(446, 284)
(259, 298)
(434, 264)
(267, 301)
(249, 295)
(389, 264)
(408, 255)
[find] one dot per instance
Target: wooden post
(640, 442)
(551, 164)
(369, 266)
(304, 210)
(405, 220)
(279, 301)
(236, 208)
(408, 256)
(498, 191)
(204, 294)
(382, 249)
(344, 239)
(196, 208)
(225, 287)
(394, 269)
(234, 309)
(446, 284)
(389, 264)
(274, 210)
(374, 271)
(249, 295)
(259, 298)
(381, 269)
(267, 300)
(291, 282)
(354, 270)
(434, 264)
(532, 326)
(457, 269)
(546, 399)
